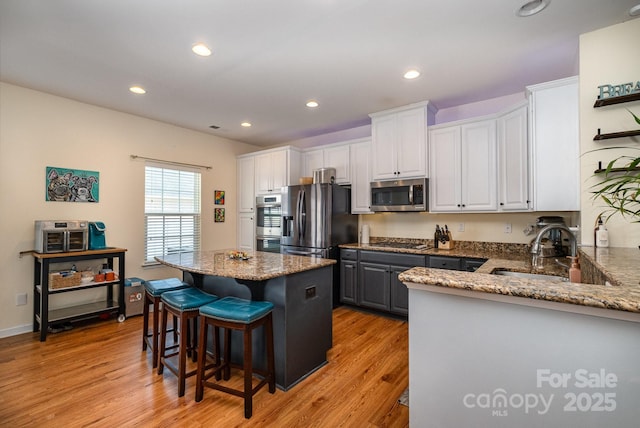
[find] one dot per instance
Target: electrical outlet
(507, 228)
(460, 227)
(21, 299)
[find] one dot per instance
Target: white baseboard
(14, 331)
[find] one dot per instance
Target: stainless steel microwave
(400, 195)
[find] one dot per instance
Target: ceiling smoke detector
(532, 7)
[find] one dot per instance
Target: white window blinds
(172, 211)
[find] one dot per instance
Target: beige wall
(39, 130)
(607, 56)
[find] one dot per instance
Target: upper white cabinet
(337, 157)
(276, 168)
(555, 145)
(246, 182)
(361, 177)
(399, 145)
(513, 157)
(462, 167)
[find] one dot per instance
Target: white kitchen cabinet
(337, 156)
(463, 174)
(555, 145)
(246, 231)
(513, 160)
(311, 160)
(276, 168)
(246, 182)
(361, 177)
(399, 146)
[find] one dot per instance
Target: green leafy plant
(620, 187)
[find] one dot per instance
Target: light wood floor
(96, 375)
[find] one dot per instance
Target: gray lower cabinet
(349, 282)
(370, 278)
(445, 262)
(378, 284)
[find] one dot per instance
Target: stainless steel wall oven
(268, 223)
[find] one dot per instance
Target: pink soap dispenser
(575, 275)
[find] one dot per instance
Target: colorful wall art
(72, 185)
(218, 215)
(219, 197)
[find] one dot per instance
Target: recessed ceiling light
(312, 103)
(532, 7)
(246, 124)
(137, 90)
(635, 10)
(411, 74)
(201, 49)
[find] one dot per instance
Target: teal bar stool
(183, 304)
(232, 313)
(153, 289)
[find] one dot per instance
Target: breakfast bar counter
(488, 350)
(300, 289)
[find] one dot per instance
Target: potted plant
(620, 187)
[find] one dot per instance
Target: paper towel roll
(364, 234)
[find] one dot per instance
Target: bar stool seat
(183, 304)
(232, 313)
(153, 291)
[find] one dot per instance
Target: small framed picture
(219, 197)
(218, 215)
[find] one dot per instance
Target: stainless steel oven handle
(411, 195)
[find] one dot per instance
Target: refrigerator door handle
(301, 214)
(286, 230)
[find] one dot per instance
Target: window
(171, 210)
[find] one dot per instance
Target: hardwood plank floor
(96, 375)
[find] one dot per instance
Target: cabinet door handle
(501, 203)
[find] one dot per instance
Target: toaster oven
(61, 236)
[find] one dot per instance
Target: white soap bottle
(602, 237)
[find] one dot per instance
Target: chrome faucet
(536, 247)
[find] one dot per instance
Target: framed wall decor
(219, 197)
(71, 185)
(218, 215)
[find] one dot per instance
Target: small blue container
(97, 239)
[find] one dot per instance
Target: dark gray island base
(301, 294)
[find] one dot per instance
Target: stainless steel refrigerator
(316, 218)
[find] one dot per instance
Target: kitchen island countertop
(260, 266)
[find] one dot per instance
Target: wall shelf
(622, 134)
(617, 100)
(602, 170)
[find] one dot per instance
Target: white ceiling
(270, 57)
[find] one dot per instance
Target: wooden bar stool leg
(202, 358)
(145, 321)
(248, 373)
(227, 354)
(156, 324)
(182, 353)
(163, 342)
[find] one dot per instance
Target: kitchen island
(300, 289)
(491, 351)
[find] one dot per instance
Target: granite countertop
(259, 267)
(619, 266)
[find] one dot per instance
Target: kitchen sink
(530, 275)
